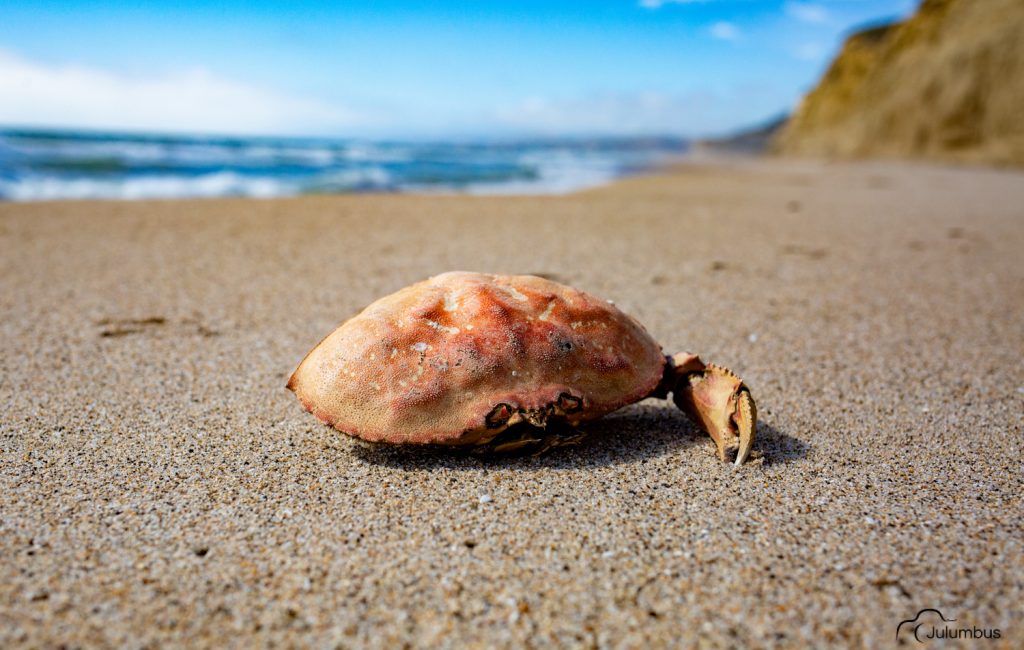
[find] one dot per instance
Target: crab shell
(460, 357)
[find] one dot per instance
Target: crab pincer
(716, 399)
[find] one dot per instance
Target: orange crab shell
(428, 364)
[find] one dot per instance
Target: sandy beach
(160, 487)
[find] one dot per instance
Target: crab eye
(569, 403)
(498, 416)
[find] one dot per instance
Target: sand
(159, 487)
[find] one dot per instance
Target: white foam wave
(48, 188)
(558, 172)
(364, 178)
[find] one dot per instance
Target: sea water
(45, 165)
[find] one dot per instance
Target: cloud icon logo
(910, 622)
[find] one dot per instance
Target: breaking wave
(51, 165)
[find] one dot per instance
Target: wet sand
(159, 487)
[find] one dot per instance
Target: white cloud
(807, 12)
(810, 51)
(725, 31)
(693, 113)
(35, 94)
(658, 4)
(601, 114)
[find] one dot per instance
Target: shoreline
(695, 159)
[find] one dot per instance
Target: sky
(419, 69)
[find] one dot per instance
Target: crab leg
(718, 401)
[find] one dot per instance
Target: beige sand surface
(159, 486)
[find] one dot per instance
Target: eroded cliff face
(946, 84)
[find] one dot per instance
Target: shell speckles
(463, 357)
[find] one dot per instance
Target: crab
(505, 363)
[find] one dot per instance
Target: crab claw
(719, 402)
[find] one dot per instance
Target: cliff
(946, 84)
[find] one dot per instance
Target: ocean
(40, 165)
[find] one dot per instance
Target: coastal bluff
(946, 84)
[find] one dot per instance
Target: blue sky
(400, 68)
